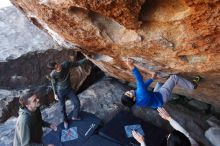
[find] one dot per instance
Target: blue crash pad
(130, 128)
(97, 140)
(77, 133)
(115, 130)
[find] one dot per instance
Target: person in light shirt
(178, 137)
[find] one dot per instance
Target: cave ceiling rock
(169, 36)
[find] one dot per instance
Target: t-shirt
(61, 80)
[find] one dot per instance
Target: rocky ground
(25, 50)
(103, 99)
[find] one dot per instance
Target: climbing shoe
(196, 80)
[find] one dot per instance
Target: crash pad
(76, 134)
(117, 130)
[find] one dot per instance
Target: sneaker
(196, 81)
(76, 119)
(65, 124)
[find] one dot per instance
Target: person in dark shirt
(161, 94)
(61, 84)
(28, 130)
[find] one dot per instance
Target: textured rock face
(213, 135)
(103, 98)
(18, 36)
(179, 36)
(31, 69)
(8, 104)
(127, 15)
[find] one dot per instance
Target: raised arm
(53, 84)
(148, 82)
(163, 113)
(138, 76)
(152, 73)
(178, 127)
(77, 63)
(144, 69)
(130, 64)
(137, 136)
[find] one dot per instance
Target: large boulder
(103, 98)
(213, 135)
(123, 12)
(26, 50)
(18, 36)
(175, 37)
(8, 104)
(31, 69)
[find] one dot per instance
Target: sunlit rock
(179, 36)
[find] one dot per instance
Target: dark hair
(127, 101)
(177, 138)
(51, 65)
(23, 100)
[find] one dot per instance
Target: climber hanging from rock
(161, 94)
(61, 84)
